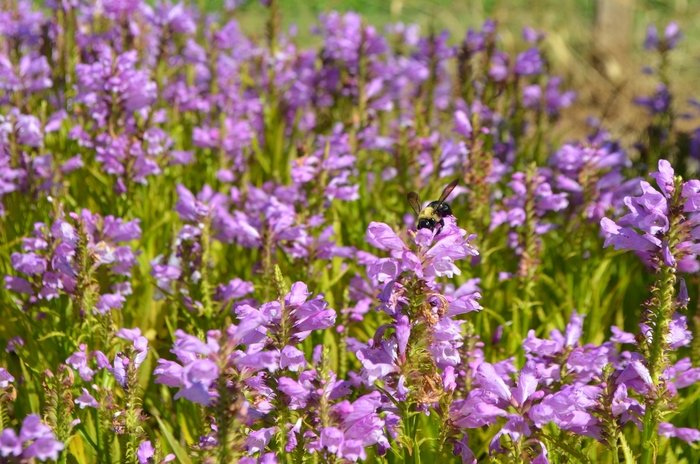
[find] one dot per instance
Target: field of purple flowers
(209, 256)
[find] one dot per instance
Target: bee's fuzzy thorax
(427, 212)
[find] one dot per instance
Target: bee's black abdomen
(442, 210)
(426, 223)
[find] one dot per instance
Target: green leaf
(52, 335)
(626, 451)
(179, 451)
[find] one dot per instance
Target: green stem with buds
(662, 310)
(134, 429)
(206, 256)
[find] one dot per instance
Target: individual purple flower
(140, 343)
(492, 382)
(28, 130)
(292, 358)
(145, 452)
(533, 36)
(28, 263)
(234, 290)
(5, 378)
(686, 434)
(191, 209)
(619, 336)
(258, 439)
(9, 443)
(79, 361)
(651, 41)
(86, 399)
(463, 125)
(672, 34)
(381, 236)
(498, 69)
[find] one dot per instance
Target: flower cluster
(35, 440)
(61, 259)
(229, 191)
(592, 175)
(656, 226)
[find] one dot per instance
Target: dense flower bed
(208, 254)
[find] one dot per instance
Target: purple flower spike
(645, 228)
(657, 103)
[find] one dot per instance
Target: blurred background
(595, 45)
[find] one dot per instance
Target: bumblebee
(432, 215)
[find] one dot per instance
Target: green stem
(206, 256)
(4, 417)
(528, 262)
(613, 449)
(657, 361)
(134, 429)
(408, 433)
(223, 420)
(267, 269)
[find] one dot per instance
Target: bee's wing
(446, 193)
(414, 201)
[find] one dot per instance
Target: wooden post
(612, 38)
